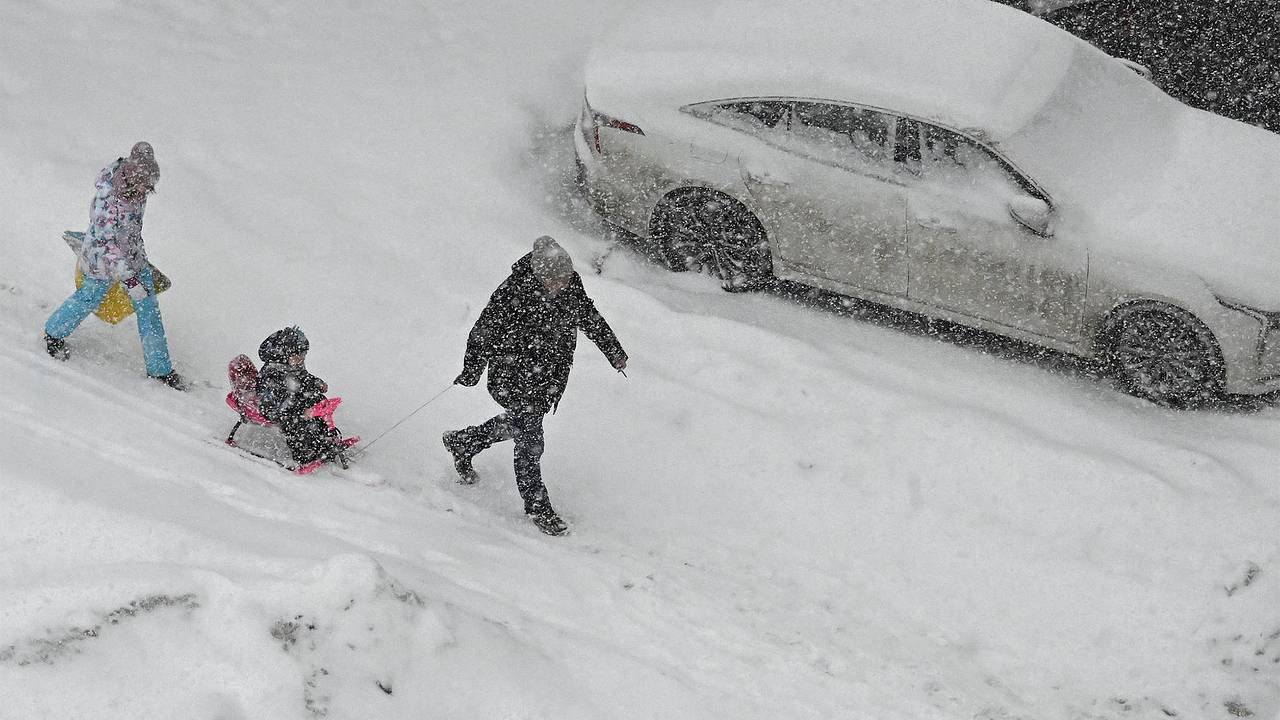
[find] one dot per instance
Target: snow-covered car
(955, 158)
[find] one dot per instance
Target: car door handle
(934, 223)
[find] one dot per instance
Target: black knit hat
(283, 344)
(550, 261)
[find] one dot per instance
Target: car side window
(849, 137)
(755, 117)
(769, 113)
(948, 157)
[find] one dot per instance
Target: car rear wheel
(1170, 360)
(715, 234)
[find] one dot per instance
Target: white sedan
(955, 158)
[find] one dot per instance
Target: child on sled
(292, 398)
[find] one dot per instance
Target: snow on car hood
(1153, 180)
(1217, 212)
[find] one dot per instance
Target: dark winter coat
(527, 339)
(285, 392)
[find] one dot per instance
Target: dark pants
(309, 439)
(526, 430)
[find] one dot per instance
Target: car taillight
(592, 121)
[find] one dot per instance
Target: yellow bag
(115, 305)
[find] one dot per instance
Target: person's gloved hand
(136, 289)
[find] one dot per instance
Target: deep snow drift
(783, 511)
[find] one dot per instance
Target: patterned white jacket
(113, 248)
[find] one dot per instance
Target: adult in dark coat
(526, 337)
(287, 391)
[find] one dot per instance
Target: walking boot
(56, 347)
(173, 380)
(548, 521)
(467, 475)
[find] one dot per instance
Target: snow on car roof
(965, 63)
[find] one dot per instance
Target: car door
(827, 190)
(969, 254)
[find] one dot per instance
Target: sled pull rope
(365, 449)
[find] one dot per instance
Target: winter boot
(173, 380)
(467, 475)
(548, 521)
(56, 347)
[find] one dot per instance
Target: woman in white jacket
(113, 252)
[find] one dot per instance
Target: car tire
(1163, 355)
(713, 233)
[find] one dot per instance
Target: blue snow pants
(155, 349)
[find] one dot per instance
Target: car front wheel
(715, 234)
(1169, 360)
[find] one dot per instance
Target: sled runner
(243, 399)
(115, 305)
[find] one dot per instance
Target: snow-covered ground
(783, 512)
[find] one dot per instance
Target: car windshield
(1101, 133)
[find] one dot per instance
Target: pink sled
(243, 399)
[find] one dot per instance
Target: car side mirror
(1137, 67)
(1033, 213)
